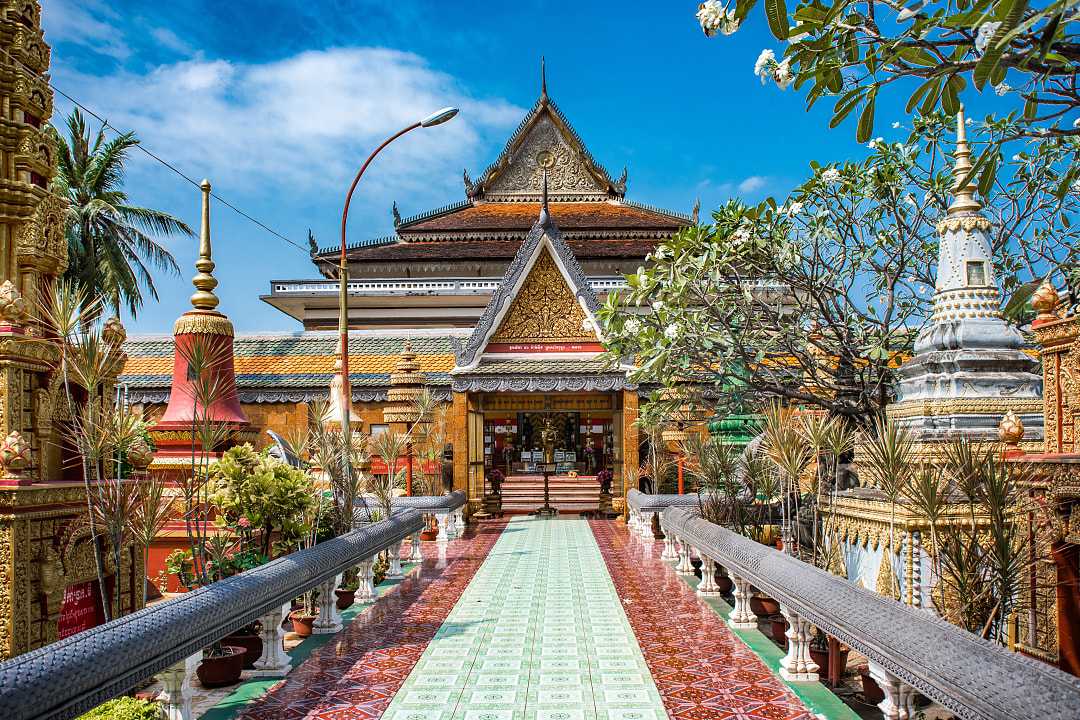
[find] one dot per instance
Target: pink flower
(244, 522)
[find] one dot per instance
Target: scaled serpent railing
(68, 677)
(910, 650)
(643, 506)
(448, 511)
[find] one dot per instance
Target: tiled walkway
(538, 634)
(527, 622)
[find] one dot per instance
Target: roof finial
(544, 199)
(543, 78)
(204, 281)
(964, 201)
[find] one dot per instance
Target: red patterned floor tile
(702, 670)
(355, 677)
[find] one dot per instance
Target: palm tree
(111, 251)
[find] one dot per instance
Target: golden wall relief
(544, 310)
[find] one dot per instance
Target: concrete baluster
(443, 519)
(416, 556)
(634, 524)
(394, 571)
(899, 702)
(329, 619)
(742, 617)
(645, 529)
(458, 517)
(670, 553)
(274, 661)
(366, 576)
(797, 665)
(708, 586)
(175, 696)
(440, 561)
(684, 567)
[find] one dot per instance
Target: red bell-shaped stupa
(203, 379)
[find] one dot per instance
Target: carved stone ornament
(113, 332)
(1011, 429)
(139, 454)
(13, 308)
(545, 149)
(966, 223)
(1045, 301)
(545, 309)
(14, 452)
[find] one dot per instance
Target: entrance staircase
(525, 493)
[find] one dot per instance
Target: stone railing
(448, 511)
(644, 506)
(68, 677)
(910, 651)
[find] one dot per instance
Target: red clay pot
(872, 693)
(724, 583)
(222, 670)
(302, 624)
(345, 598)
(429, 534)
(252, 644)
(762, 605)
(821, 657)
(778, 628)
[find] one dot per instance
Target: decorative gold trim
(203, 323)
(966, 223)
(975, 406)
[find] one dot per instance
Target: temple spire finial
(543, 77)
(544, 199)
(204, 281)
(964, 202)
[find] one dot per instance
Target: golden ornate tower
(47, 572)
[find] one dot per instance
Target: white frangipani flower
(658, 305)
(985, 35)
(783, 75)
(830, 175)
(794, 208)
(765, 63)
(632, 326)
(587, 325)
(1076, 123)
(715, 18)
(873, 144)
(896, 125)
(1002, 89)
(671, 332)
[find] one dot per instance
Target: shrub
(125, 708)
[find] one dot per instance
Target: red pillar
(1066, 558)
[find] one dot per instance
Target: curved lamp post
(436, 118)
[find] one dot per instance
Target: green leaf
(1019, 300)
(917, 56)
(866, 119)
(986, 180)
(919, 93)
(1011, 13)
(776, 12)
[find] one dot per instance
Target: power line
(139, 146)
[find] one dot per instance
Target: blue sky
(278, 102)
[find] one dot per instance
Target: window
(976, 273)
(378, 429)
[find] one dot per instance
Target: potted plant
(819, 653)
(762, 605)
(723, 582)
(346, 593)
(872, 692)
(248, 638)
(221, 665)
(778, 629)
(124, 708)
(303, 618)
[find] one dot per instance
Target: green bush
(125, 708)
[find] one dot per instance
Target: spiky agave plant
(390, 446)
(890, 455)
(789, 453)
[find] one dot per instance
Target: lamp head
(439, 117)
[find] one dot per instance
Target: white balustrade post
(440, 559)
(366, 576)
(416, 556)
(684, 567)
(670, 553)
(635, 522)
(797, 665)
(394, 571)
(175, 696)
(899, 702)
(458, 522)
(274, 661)
(645, 529)
(708, 586)
(328, 620)
(742, 617)
(443, 519)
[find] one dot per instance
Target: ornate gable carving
(545, 309)
(545, 147)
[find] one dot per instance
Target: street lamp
(436, 118)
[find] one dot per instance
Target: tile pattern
(701, 668)
(355, 676)
(539, 633)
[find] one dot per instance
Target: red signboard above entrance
(581, 347)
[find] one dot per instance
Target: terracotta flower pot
(429, 534)
(821, 657)
(724, 583)
(872, 693)
(762, 605)
(778, 628)
(222, 670)
(252, 644)
(302, 624)
(345, 598)
(656, 531)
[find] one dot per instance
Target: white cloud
(302, 124)
(169, 39)
(752, 184)
(84, 22)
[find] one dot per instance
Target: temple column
(394, 571)
(899, 702)
(630, 442)
(175, 696)
(329, 619)
(708, 586)
(274, 660)
(742, 617)
(459, 436)
(797, 664)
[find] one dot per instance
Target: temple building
(495, 296)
